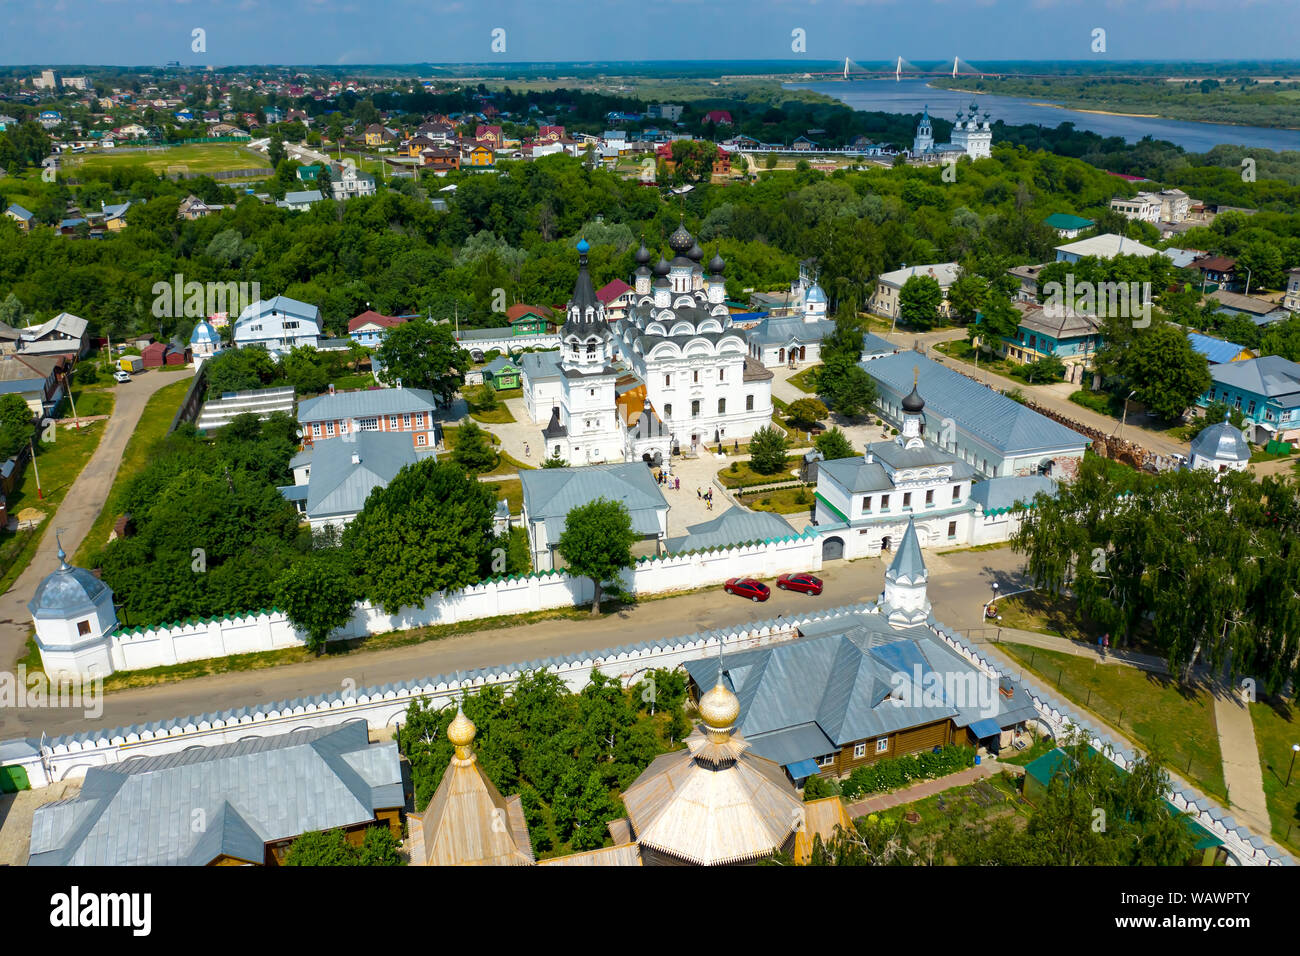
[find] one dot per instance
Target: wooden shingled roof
(691, 805)
(468, 822)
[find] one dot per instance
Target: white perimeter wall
(265, 631)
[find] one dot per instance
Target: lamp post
(1295, 749)
(1247, 268)
(1124, 419)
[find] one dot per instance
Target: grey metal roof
(538, 366)
(855, 475)
(250, 793)
(1008, 491)
(908, 563)
(898, 457)
(736, 525)
(1221, 441)
(366, 403)
(551, 493)
(1004, 425)
(66, 592)
(339, 486)
(841, 684)
(790, 329)
(873, 344)
(1271, 376)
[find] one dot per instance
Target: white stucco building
(866, 503)
(672, 372)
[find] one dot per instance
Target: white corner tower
(74, 617)
(904, 602)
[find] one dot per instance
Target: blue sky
(405, 31)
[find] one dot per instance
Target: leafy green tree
(429, 530)
(919, 302)
(473, 451)
(834, 444)
(555, 461)
(321, 848)
(16, 425)
(1164, 371)
(767, 451)
(1200, 562)
(237, 370)
(305, 370)
(999, 319)
(319, 595)
(597, 543)
(379, 848)
(424, 354)
(847, 387)
(806, 412)
(967, 295)
(1282, 338)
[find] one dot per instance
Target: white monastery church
(672, 373)
(970, 137)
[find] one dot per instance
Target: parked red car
(748, 587)
(800, 582)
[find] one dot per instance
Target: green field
(1151, 708)
(58, 464)
(1276, 732)
(195, 158)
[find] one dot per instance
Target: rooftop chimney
(356, 458)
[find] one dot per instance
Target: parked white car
(122, 376)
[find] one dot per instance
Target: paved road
(81, 506)
(959, 584)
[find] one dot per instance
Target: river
(911, 96)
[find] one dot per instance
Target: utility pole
(39, 494)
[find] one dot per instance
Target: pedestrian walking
(698, 492)
(677, 484)
(528, 453)
(1105, 642)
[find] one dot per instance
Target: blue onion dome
(583, 246)
(661, 267)
(643, 255)
(815, 294)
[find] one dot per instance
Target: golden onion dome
(719, 708)
(461, 733)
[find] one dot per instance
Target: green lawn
(59, 462)
(512, 489)
(1277, 730)
(154, 422)
(498, 416)
(196, 157)
(1152, 709)
(804, 381)
(786, 501)
(739, 473)
(1046, 613)
(92, 400)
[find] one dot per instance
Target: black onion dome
(681, 240)
(913, 402)
(643, 255)
(716, 264)
(661, 267)
(695, 253)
